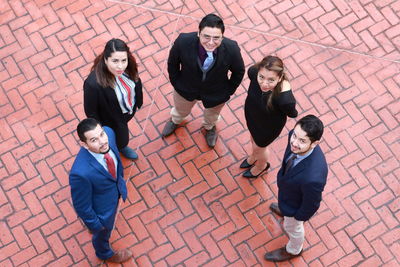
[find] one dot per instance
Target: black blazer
(213, 87)
(300, 189)
(102, 103)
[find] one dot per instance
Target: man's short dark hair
(212, 21)
(85, 126)
(312, 126)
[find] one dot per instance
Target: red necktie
(110, 164)
(128, 89)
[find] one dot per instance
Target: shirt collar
(203, 51)
(298, 157)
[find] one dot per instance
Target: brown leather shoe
(280, 254)
(275, 209)
(120, 256)
(211, 137)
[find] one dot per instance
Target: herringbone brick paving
(188, 205)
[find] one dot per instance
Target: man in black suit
(301, 180)
(198, 68)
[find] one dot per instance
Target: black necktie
(289, 164)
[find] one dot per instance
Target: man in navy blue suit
(97, 183)
(301, 180)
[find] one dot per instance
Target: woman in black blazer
(113, 92)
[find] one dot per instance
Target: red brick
(351, 259)
(369, 213)
(74, 249)
(30, 185)
(160, 252)
(197, 190)
(6, 236)
(10, 163)
(134, 210)
(372, 261)
(206, 226)
(23, 256)
(183, 204)
(381, 250)
(39, 241)
(220, 261)
(53, 226)
(33, 203)
(192, 241)
(152, 214)
(57, 246)
(210, 245)
(42, 259)
(178, 256)
(148, 196)
(198, 259)
(174, 237)
(382, 198)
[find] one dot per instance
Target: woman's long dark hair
(273, 63)
(103, 76)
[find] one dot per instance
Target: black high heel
(248, 174)
(245, 164)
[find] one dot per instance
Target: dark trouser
(122, 131)
(101, 244)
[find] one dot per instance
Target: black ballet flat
(248, 174)
(246, 165)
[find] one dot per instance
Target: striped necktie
(128, 89)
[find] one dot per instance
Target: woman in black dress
(268, 104)
(113, 92)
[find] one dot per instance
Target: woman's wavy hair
(273, 63)
(103, 76)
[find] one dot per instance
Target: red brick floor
(188, 204)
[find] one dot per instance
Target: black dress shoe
(169, 128)
(211, 136)
(275, 209)
(248, 174)
(280, 254)
(246, 165)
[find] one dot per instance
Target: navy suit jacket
(95, 193)
(214, 86)
(300, 190)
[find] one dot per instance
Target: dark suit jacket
(213, 87)
(300, 190)
(102, 103)
(94, 191)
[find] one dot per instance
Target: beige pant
(182, 108)
(295, 231)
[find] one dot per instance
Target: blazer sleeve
(90, 98)
(312, 196)
(81, 192)
(174, 62)
(237, 68)
(288, 106)
(139, 94)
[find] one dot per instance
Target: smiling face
(210, 38)
(267, 79)
(117, 62)
(300, 143)
(96, 140)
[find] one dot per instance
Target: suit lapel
(96, 165)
